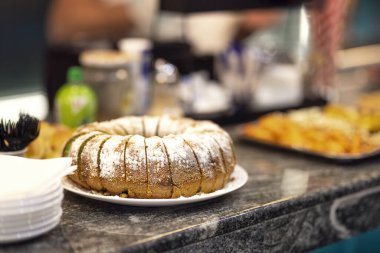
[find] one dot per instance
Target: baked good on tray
(151, 157)
(50, 141)
(333, 130)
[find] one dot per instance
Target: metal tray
(335, 158)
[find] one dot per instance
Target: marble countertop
(290, 203)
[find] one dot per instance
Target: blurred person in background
(78, 22)
(75, 25)
(254, 20)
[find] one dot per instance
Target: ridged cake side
(152, 157)
(89, 165)
(184, 168)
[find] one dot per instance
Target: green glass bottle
(75, 102)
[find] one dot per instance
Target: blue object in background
(364, 243)
(363, 28)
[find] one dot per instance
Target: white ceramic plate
(239, 176)
(29, 216)
(38, 176)
(11, 238)
(31, 209)
(30, 221)
(19, 204)
(31, 199)
(5, 231)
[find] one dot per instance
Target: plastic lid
(103, 58)
(134, 45)
(74, 74)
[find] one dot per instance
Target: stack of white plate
(30, 196)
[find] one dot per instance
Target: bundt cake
(151, 157)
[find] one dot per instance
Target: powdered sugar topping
(135, 153)
(111, 156)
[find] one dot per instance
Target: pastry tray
(335, 158)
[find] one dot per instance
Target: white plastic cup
(135, 47)
(139, 51)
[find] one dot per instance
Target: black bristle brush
(17, 135)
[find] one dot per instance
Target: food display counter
(291, 203)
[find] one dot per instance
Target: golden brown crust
(75, 149)
(81, 156)
(203, 157)
(136, 176)
(184, 168)
(225, 148)
(89, 166)
(67, 147)
(74, 176)
(186, 158)
(111, 166)
(159, 177)
(216, 160)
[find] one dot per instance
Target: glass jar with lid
(107, 72)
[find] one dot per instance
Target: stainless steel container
(107, 72)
